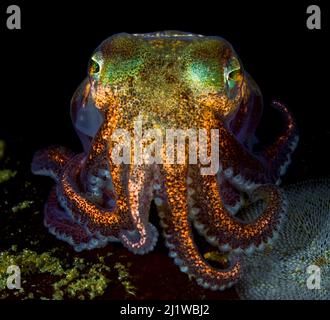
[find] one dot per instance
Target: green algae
(6, 175)
(79, 279)
(22, 205)
(30, 262)
(124, 277)
(83, 281)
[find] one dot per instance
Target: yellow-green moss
(83, 280)
(22, 205)
(6, 175)
(78, 279)
(124, 278)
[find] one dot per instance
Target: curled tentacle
(231, 196)
(62, 225)
(121, 222)
(229, 232)
(145, 235)
(237, 161)
(179, 238)
(76, 222)
(278, 155)
(60, 222)
(51, 161)
(72, 199)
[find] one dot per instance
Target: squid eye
(234, 77)
(93, 67)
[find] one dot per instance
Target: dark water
(42, 64)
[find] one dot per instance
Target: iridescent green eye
(233, 77)
(233, 74)
(93, 67)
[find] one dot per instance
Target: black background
(44, 62)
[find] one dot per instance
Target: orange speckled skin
(168, 80)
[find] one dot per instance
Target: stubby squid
(171, 80)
